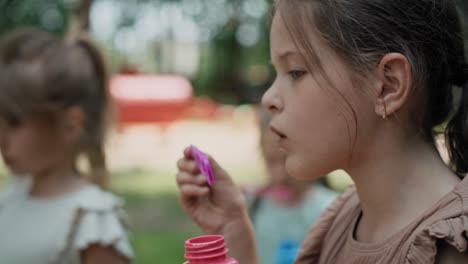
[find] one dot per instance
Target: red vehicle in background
(143, 99)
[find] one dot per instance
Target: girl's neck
(55, 182)
(399, 181)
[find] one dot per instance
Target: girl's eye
(296, 74)
(11, 122)
(14, 122)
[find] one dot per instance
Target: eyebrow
(285, 54)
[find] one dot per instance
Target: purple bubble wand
(203, 164)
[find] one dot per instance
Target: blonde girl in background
(53, 107)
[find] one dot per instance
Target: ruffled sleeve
(98, 219)
(454, 231)
(312, 246)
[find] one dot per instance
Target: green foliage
(229, 71)
(50, 15)
(159, 246)
(225, 70)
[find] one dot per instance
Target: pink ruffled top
(331, 239)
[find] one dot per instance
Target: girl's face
(313, 122)
(31, 147)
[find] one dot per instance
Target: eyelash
(11, 122)
(296, 74)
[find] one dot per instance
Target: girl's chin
(297, 170)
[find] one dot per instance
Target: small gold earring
(384, 115)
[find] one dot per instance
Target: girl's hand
(210, 207)
(217, 209)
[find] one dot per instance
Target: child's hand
(218, 209)
(211, 208)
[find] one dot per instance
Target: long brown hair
(43, 75)
(428, 32)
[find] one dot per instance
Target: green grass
(159, 246)
(158, 225)
(149, 182)
(144, 182)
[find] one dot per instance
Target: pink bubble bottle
(209, 249)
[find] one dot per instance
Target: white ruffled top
(55, 231)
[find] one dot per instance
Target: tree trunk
(79, 22)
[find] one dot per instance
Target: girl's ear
(395, 84)
(72, 124)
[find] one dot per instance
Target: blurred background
(182, 72)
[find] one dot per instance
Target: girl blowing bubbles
(53, 103)
(361, 85)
